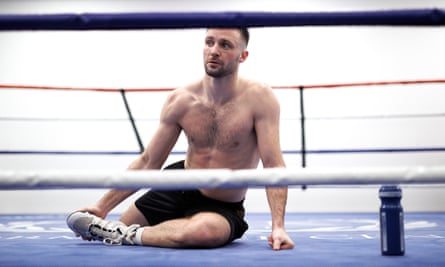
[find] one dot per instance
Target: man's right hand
(93, 210)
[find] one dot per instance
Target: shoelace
(130, 233)
(114, 234)
(117, 235)
(111, 242)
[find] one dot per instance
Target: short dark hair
(245, 34)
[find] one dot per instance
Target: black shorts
(159, 206)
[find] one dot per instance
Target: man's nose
(214, 50)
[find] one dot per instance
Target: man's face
(224, 49)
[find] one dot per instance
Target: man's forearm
(277, 199)
(113, 198)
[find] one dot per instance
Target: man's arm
(267, 128)
(153, 156)
(277, 198)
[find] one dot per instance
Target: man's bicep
(267, 128)
(161, 144)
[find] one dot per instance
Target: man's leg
(205, 229)
(133, 216)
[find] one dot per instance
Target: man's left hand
(279, 239)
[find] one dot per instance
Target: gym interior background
(376, 124)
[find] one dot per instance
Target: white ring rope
(219, 178)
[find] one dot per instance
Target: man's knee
(206, 231)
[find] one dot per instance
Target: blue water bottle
(392, 236)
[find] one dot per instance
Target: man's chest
(221, 127)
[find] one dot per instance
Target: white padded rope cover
(223, 178)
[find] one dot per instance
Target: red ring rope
(309, 86)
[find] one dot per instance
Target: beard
(220, 71)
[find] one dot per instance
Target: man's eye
(225, 45)
(209, 42)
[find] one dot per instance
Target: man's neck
(220, 90)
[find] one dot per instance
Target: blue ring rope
(288, 152)
(174, 20)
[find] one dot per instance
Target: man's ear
(243, 56)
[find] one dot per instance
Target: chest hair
(215, 126)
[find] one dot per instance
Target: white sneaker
(109, 232)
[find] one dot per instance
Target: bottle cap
(390, 191)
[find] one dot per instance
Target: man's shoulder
(185, 93)
(261, 94)
(178, 102)
(257, 87)
(189, 89)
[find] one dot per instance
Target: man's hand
(93, 210)
(279, 239)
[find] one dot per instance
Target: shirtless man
(230, 122)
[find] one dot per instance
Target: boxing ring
(331, 239)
